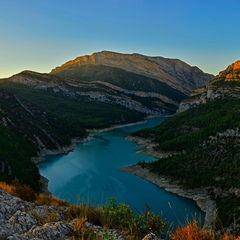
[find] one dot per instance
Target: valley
(44, 113)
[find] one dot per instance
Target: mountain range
(152, 85)
(43, 113)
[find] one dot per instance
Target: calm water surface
(91, 174)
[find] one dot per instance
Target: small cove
(91, 174)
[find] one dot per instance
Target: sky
(41, 35)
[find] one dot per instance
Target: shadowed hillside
(155, 83)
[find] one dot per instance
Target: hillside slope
(157, 83)
(226, 85)
(207, 138)
(41, 114)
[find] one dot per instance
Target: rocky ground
(21, 220)
(147, 146)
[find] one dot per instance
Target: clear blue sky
(40, 35)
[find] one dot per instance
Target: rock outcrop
(226, 85)
(21, 220)
(231, 73)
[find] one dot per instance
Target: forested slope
(207, 139)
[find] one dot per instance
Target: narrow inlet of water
(91, 174)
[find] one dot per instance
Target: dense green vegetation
(234, 85)
(33, 120)
(74, 111)
(212, 163)
(16, 152)
(191, 128)
(120, 78)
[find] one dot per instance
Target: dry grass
(96, 216)
(81, 232)
(230, 237)
(6, 187)
(42, 199)
(92, 214)
(192, 232)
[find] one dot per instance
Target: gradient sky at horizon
(40, 35)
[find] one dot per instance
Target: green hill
(207, 139)
(35, 121)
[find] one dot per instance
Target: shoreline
(114, 127)
(200, 196)
(125, 125)
(147, 146)
(75, 141)
(66, 149)
(63, 150)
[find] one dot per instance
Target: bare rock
(50, 231)
(22, 221)
(19, 220)
(150, 236)
(174, 72)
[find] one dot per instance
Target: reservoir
(91, 174)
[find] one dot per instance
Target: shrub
(118, 215)
(192, 232)
(230, 237)
(150, 222)
(6, 187)
(42, 199)
(81, 232)
(22, 191)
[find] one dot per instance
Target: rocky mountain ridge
(42, 113)
(149, 103)
(226, 85)
(174, 72)
(133, 80)
(231, 73)
(149, 85)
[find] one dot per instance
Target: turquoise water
(91, 174)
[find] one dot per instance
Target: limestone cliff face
(140, 100)
(231, 73)
(224, 86)
(174, 72)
